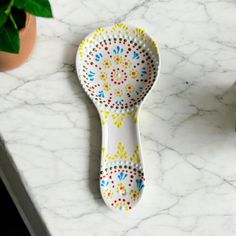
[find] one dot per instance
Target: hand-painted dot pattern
(118, 71)
(122, 192)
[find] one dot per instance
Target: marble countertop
(52, 130)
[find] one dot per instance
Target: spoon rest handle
(121, 174)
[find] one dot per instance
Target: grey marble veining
(187, 124)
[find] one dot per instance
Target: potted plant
(18, 29)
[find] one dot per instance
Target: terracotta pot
(9, 61)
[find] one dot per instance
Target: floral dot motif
(118, 59)
(103, 76)
(129, 88)
(133, 74)
(122, 184)
(126, 63)
(111, 64)
(118, 76)
(121, 189)
(134, 194)
(108, 193)
(118, 92)
(107, 86)
(107, 63)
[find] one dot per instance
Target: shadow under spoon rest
(117, 67)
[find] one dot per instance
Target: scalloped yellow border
(116, 29)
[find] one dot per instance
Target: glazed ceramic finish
(117, 67)
(122, 176)
(52, 130)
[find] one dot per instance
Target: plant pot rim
(29, 18)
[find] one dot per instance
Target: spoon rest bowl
(117, 67)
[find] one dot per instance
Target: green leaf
(3, 15)
(35, 7)
(19, 17)
(3, 19)
(9, 38)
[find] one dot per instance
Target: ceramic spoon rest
(117, 66)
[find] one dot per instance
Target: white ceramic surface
(187, 123)
(117, 67)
